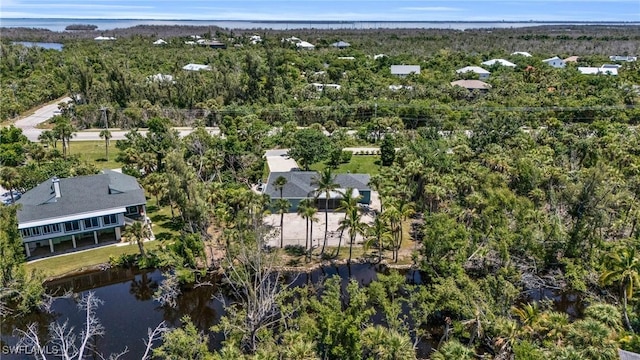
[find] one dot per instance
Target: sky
(362, 10)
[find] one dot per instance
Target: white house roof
(378, 56)
(190, 42)
(611, 66)
(405, 69)
(101, 38)
(305, 45)
(622, 58)
(588, 70)
(320, 87)
(400, 87)
(160, 78)
(346, 58)
(521, 53)
(475, 69)
(502, 62)
(341, 44)
(159, 42)
(196, 67)
(552, 59)
(472, 84)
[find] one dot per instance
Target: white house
(104, 38)
(305, 45)
(472, 85)
(521, 53)
(254, 39)
(588, 70)
(556, 62)
(159, 42)
(379, 56)
(501, 62)
(160, 78)
(400, 87)
(196, 67)
(78, 211)
(404, 70)
(341, 44)
(321, 87)
(623, 58)
(482, 73)
(346, 58)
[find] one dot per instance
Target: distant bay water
(109, 24)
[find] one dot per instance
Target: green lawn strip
(359, 164)
(161, 224)
(94, 151)
(59, 265)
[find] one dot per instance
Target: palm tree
(624, 269)
(106, 135)
(304, 212)
(9, 179)
(348, 202)
(393, 216)
(48, 138)
(279, 184)
(64, 130)
(282, 206)
(138, 232)
(353, 223)
(379, 234)
(156, 184)
(325, 184)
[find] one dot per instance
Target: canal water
(129, 309)
(44, 45)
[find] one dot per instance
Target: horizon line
(340, 21)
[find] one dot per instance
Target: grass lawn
(94, 151)
(359, 164)
(60, 265)
(162, 226)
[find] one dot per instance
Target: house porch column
(118, 236)
(51, 245)
(26, 249)
(95, 237)
(73, 240)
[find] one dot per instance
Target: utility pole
(104, 116)
(375, 109)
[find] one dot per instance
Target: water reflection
(129, 309)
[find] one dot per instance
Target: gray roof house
(404, 70)
(300, 186)
(71, 209)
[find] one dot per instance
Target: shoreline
(285, 269)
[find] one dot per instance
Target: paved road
(28, 124)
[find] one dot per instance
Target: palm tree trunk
(624, 309)
(379, 249)
(106, 144)
(306, 241)
(281, 230)
(311, 236)
(326, 222)
(141, 248)
(351, 241)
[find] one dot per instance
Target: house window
(72, 226)
(91, 223)
(110, 219)
(132, 210)
(53, 228)
(33, 231)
